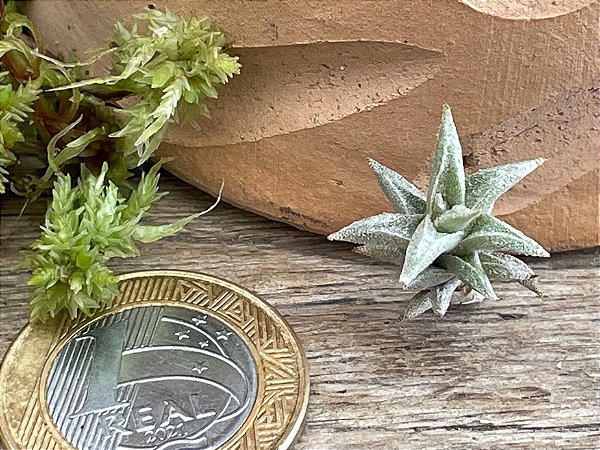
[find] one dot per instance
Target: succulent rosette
(447, 241)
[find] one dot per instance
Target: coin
(177, 361)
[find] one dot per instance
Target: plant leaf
(140, 56)
(438, 299)
(484, 187)
(404, 197)
(468, 269)
(447, 173)
(488, 233)
(77, 146)
(443, 296)
(455, 219)
(420, 303)
(432, 276)
(532, 284)
(392, 255)
(425, 246)
(152, 233)
(500, 265)
(65, 65)
(18, 21)
(162, 75)
(51, 147)
(382, 229)
(439, 205)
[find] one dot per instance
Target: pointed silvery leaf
(468, 269)
(443, 296)
(384, 229)
(404, 197)
(432, 276)
(388, 254)
(425, 246)
(455, 219)
(447, 175)
(500, 265)
(532, 285)
(439, 205)
(420, 303)
(484, 187)
(488, 233)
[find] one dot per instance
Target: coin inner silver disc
(152, 377)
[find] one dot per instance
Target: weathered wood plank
(519, 373)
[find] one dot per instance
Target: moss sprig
(82, 138)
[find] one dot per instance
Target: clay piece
(326, 85)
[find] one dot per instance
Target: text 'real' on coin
(179, 361)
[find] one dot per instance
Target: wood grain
(519, 373)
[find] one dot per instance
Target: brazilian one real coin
(177, 361)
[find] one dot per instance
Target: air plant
(447, 241)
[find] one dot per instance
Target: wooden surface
(519, 373)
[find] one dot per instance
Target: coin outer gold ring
(277, 417)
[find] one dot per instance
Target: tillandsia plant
(58, 125)
(447, 241)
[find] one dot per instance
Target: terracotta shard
(327, 84)
(288, 88)
(527, 9)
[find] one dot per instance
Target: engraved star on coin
(200, 367)
(114, 422)
(203, 344)
(199, 320)
(223, 335)
(183, 334)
